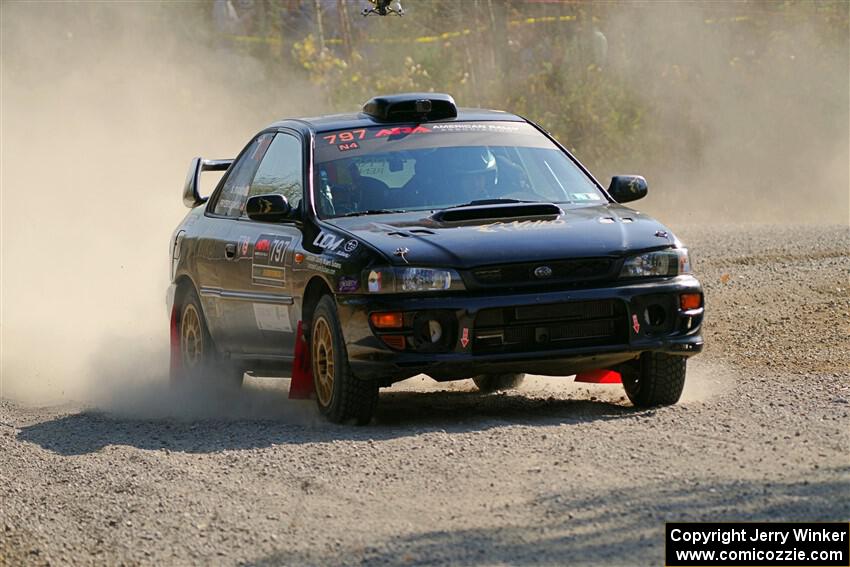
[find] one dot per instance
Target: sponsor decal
(323, 264)
(464, 337)
(348, 139)
(584, 197)
(374, 282)
(334, 244)
(520, 225)
(267, 261)
(401, 130)
(243, 245)
(373, 168)
(474, 127)
(345, 137)
(347, 284)
(272, 317)
(328, 241)
(635, 323)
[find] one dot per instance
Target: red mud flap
(599, 377)
(301, 385)
(176, 364)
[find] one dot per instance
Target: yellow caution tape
(421, 39)
(453, 34)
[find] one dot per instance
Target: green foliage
(666, 89)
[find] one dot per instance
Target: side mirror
(268, 208)
(625, 188)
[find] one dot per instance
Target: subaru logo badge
(542, 272)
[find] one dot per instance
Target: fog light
(433, 331)
(388, 320)
(690, 301)
(436, 330)
(655, 315)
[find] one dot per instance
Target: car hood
(583, 232)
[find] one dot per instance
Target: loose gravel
(555, 473)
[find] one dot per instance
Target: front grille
(575, 270)
(550, 326)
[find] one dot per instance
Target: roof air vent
(411, 107)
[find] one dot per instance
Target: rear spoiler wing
(191, 197)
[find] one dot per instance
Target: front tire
(656, 379)
(340, 395)
(487, 383)
(199, 359)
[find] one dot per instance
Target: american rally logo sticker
(267, 262)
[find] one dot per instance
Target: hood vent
(498, 212)
(413, 232)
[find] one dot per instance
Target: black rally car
(416, 237)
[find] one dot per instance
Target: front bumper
(680, 333)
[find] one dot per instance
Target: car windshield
(441, 165)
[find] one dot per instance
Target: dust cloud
(103, 106)
(102, 110)
(757, 100)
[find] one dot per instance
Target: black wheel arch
(184, 283)
(313, 292)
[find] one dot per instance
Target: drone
(384, 8)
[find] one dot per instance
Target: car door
(217, 251)
(260, 293)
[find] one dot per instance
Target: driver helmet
(473, 170)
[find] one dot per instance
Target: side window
(234, 193)
(282, 170)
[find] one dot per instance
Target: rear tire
(657, 379)
(200, 361)
(340, 395)
(496, 382)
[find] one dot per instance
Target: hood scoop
(512, 210)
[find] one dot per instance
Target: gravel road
(555, 473)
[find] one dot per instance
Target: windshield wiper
(372, 212)
(490, 202)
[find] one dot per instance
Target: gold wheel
(323, 360)
(191, 337)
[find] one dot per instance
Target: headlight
(425, 279)
(671, 262)
(412, 279)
